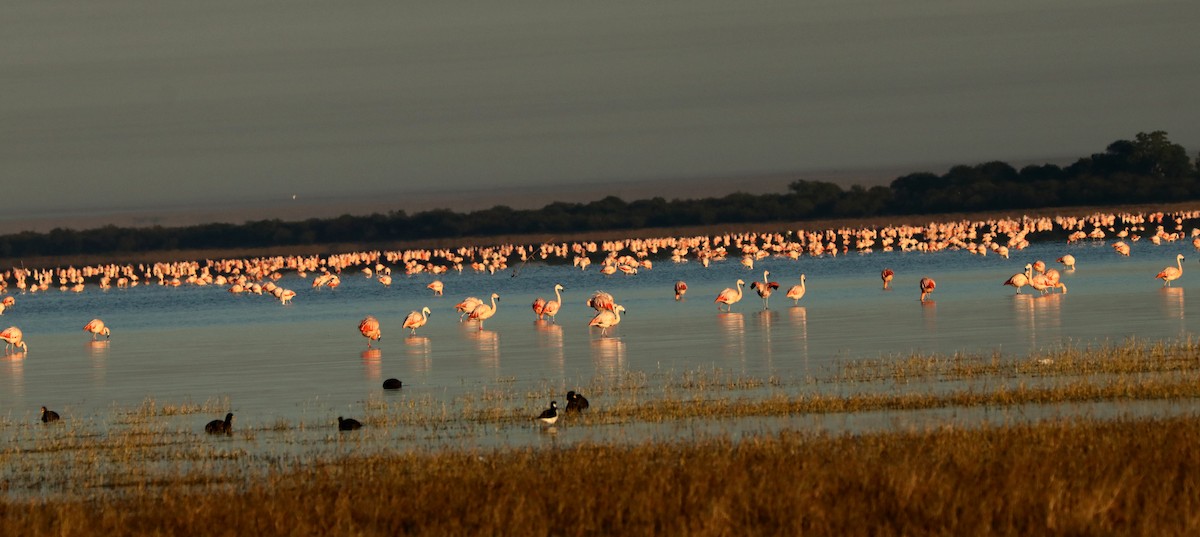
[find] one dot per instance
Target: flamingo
(467, 306)
(680, 289)
(484, 312)
(369, 327)
(286, 296)
(600, 301)
(416, 320)
(730, 296)
(797, 291)
(552, 307)
(1121, 248)
(1068, 261)
(927, 286)
(1167, 275)
(765, 288)
(436, 286)
(97, 328)
(1039, 266)
(539, 307)
(1054, 279)
(886, 276)
(13, 338)
(607, 319)
(1021, 279)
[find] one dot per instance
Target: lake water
(305, 363)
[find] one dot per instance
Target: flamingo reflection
(16, 371)
(372, 360)
(488, 344)
(608, 354)
(550, 336)
(1172, 300)
(420, 348)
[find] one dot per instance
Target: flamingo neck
(557, 295)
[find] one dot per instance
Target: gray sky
(122, 105)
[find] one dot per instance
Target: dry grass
(1129, 477)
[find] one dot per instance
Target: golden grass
(140, 475)
(1081, 477)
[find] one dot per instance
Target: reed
(1076, 477)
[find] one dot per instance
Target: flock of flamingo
(258, 275)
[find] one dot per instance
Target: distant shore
(614, 234)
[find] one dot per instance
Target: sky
(135, 112)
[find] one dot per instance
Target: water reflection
(733, 333)
(16, 372)
(420, 349)
(550, 336)
(765, 319)
(1038, 316)
(608, 353)
(372, 360)
(1172, 303)
(929, 317)
(98, 350)
(798, 319)
(487, 342)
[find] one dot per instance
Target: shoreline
(615, 234)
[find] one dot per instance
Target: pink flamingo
(539, 307)
(730, 296)
(1068, 261)
(467, 306)
(416, 320)
(680, 289)
(796, 292)
(436, 286)
(600, 301)
(552, 307)
(607, 319)
(369, 327)
(97, 328)
(1171, 274)
(1121, 248)
(1022, 279)
(484, 312)
(887, 276)
(927, 286)
(765, 288)
(13, 337)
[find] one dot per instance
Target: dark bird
(49, 415)
(220, 427)
(348, 424)
(392, 384)
(550, 415)
(576, 402)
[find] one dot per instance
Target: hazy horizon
(150, 112)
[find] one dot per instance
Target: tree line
(1147, 169)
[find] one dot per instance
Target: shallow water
(306, 363)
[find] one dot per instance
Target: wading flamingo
(552, 307)
(797, 291)
(680, 290)
(600, 301)
(887, 276)
(13, 338)
(97, 328)
(484, 312)
(416, 320)
(539, 307)
(436, 286)
(730, 296)
(927, 286)
(765, 288)
(369, 327)
(607, 319)
(467, 306)
(1021, 279)
(1121, 248)
(1068, 261)
(1171, 274)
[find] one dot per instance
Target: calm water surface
(305, 363)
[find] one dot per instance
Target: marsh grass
(307, 478)
(1075, 477)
